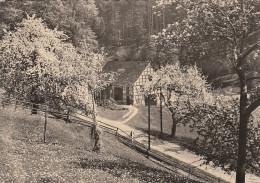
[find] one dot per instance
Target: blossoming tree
(179, 86)
(37, 62)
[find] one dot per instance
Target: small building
(128, 84)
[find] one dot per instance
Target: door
(118, 93)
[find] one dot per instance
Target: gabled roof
(131, 71)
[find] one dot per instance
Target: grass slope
(67, 155)
(140, 121)
(184, 135)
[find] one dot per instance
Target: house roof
(131, 71)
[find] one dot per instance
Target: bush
(217, 127)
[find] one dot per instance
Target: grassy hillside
(184, 135)
(67, 155)
(140, 121)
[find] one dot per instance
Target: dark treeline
(126, 26)
(122, 27)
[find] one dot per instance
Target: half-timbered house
(126, 88)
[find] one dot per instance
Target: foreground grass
(67, 155)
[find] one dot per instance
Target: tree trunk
(241, 156)
(95, 131)
(243, 121)
(241, 160)
(34, 100)
(35, 105)
(174, 125)
(161, 120)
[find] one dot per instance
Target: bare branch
(253, 106)
(242, 57)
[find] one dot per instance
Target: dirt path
(132, 111)
(9, 153)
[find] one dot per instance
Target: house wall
(138, 97)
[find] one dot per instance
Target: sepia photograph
(129, 91)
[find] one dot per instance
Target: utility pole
(149, 124)
(161, 122)
(149, 117)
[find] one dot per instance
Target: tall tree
(235, 22)
(96, 80)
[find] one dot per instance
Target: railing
(124, 137)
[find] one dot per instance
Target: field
(67, 155)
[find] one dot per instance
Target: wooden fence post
(45, 125)
(15, 105)
(132, 136)
(117, 132)
(68, 113)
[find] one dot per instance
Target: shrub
(217, 126)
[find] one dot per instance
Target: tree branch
(230, 23)
(253, 106)
(242, 57)
(224, 37)
(165, 102)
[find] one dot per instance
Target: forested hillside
(125, 29)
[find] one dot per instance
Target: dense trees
(128, 25)
(35, 61)
(218, 128)
(236, 25)
(77, 18)
(114, 24)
